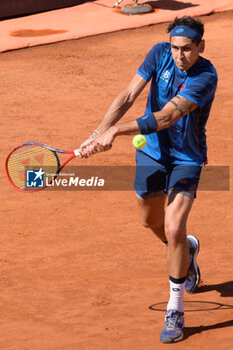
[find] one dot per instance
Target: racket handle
(76, 152)
(117, 3)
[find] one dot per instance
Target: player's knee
(155, 226)
(174, 233)
(145, 222)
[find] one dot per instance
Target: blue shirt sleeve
(200, 88)
(148, 68)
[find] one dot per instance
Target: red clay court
(78, 271)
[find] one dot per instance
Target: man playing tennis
(182, 90)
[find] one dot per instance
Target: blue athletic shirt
(184, 142)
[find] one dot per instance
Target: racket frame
(74, 153)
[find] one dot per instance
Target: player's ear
(202, 46)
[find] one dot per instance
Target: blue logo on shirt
(35, 178)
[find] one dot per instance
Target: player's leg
(176, 215)
(183, 181)
(152, 214)
(150, 183)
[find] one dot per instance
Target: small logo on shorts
(183, 181)
(35, 178)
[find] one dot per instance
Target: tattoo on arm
(178, 108)
(183, 105)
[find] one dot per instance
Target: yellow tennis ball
(139, 141)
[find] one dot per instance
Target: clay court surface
(78, 272)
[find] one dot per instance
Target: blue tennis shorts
(155, 178)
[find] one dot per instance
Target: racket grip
(117, 3)
(76, 152)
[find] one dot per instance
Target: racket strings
(32, 157)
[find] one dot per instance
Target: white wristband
(96, 132)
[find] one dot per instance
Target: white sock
(176, 301)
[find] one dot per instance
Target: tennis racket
(29, 161)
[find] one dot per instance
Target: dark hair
(189, 22)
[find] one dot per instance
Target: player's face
(185, 53)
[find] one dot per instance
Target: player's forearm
(122, 103)
(165, 120)
(154, 122)
(143, 125)
(127, 128)
(115, 112)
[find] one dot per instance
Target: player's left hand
(101, 144)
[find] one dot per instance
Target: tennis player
(182, 90)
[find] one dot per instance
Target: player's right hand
(87, 143)
(100, 144)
